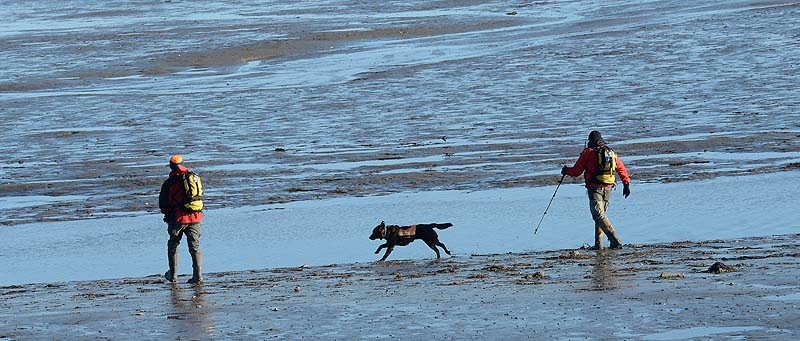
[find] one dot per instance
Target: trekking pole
(548, 204)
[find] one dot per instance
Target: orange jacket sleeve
(622, 172)
(580, 165)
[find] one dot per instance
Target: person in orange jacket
(180, 221)
(599, 186)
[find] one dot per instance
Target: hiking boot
(197, 265)
(172, 257)
(598, 237)
(170, 277)
(613, 239)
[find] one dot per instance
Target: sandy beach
(310, 122)
(305, 101)
(698, 290)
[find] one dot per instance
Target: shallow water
(699, 333)
(282, 104)
(320, 232)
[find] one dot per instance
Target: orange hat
(176, 159)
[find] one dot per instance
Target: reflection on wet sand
(603, 270)
(192, 317)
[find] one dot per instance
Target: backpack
(193, 188)
(606, 166)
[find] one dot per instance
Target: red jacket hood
(181, 169)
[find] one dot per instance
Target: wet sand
(310, 101)
(719, 289)
(305, 101)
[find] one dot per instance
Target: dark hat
(595, 140)
(595, 136)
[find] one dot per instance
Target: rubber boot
(612, 234)
(598, 237)
(614, 239)
(172, 274)
(197, 265)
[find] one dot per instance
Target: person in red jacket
(599, 191)
(180, 221)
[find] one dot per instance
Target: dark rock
(719, 268)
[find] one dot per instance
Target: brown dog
(404, 235)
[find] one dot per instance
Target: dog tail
(442, 226)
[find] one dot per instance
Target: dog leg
(443, 247)
(433, 247)
(388, 251)
(381, 247)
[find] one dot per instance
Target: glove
(626, 190)
(564, 170)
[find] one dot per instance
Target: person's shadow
(192, 315)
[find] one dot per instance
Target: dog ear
(382, 223)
